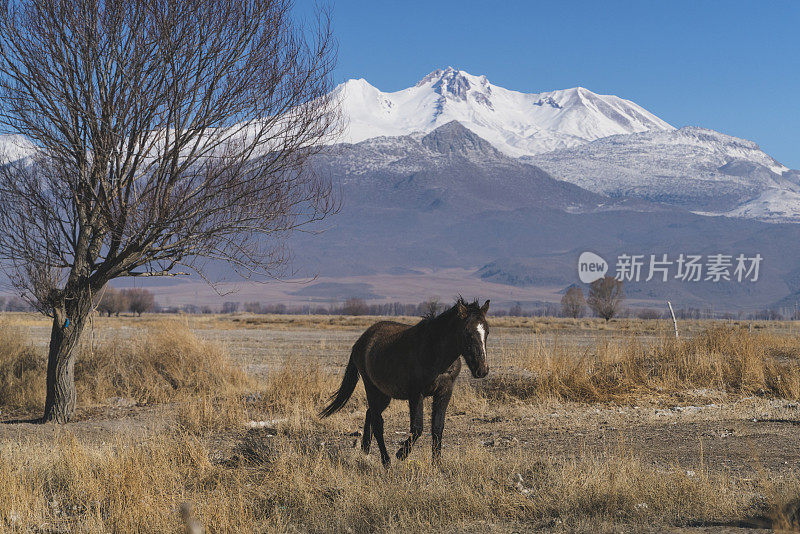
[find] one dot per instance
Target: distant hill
(449, 199)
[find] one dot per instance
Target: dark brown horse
(399, 361)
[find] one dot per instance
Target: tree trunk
(68, 323)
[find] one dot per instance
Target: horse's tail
(340, 398)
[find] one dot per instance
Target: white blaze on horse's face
(482, 335)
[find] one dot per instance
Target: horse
(400, 361)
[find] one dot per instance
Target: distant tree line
(351, 306)
(604, 299)
(14, 304)
(135, 300)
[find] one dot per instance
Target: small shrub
(23, 370)
(166, 362)
(721, 357)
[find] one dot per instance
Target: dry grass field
(581, 426)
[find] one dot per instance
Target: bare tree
(164, 133)
(430, 307)
(572, 303)
(230, 306)
(252, 307)
(605, 297)
(648, 314)
(355, 306)
(112, 301)
(139, 300)
(16, 304)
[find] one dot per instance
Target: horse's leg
(367, 437)
(377, 404)
(440, 401)
(415, 409)
(377, 430)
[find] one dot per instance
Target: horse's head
(474, 329)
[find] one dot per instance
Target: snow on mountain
(771, 205)
(449, 169)
(602, 143)
(14, 147)
(449, 199)
(516, 123)
(699, 169)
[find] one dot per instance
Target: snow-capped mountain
(518, 124)
(447, 170)
(772, 204)
(602, 143)
(699, 169)
(448, 199)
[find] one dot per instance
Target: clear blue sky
(732, 66)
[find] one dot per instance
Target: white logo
(591, 267)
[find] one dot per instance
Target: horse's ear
(485, 307)
(461, 309)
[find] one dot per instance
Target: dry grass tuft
(294, 393)
(299, 385)
(22, 369)
(163, 363)
(204, 414)
(730, 359)
(280, 483)
(288, 399)
(114, 488)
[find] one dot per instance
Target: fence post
(674, 321)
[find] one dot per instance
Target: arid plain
(580, 426)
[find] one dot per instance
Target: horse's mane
(472, 308)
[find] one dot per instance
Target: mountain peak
(437, 75)
(455, 138)
(518, 124)
(355, 84)
(455, 84)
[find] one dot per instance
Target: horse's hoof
(386, 463)
(401, 454)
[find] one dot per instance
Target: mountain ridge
(515, 123)
(696, 168)
(601, 143)
(447, 200)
